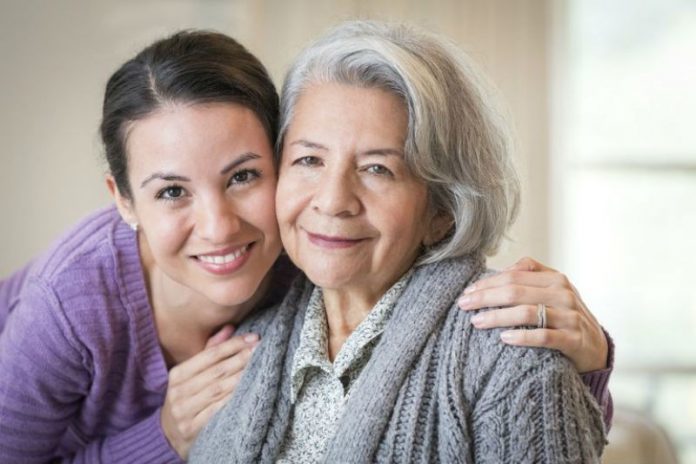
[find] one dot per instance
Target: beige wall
(57, 55)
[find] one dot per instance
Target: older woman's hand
(570, 326)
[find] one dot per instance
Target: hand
(201, 385)
(570, 326)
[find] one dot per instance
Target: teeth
(224, 259)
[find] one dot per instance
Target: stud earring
(134, 226)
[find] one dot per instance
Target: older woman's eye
(379, 170)
(307, 161)
(173, 192)
(244, 176)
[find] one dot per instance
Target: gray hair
(456, 142)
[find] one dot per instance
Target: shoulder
(82, 282)
(484, 361)
(91, 241)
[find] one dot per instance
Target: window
(624, 151)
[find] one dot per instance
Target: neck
(186, 319)
(345, 310)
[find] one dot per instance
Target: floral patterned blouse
(319, 388)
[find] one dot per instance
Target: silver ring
(541, 316)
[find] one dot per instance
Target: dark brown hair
(187, 67)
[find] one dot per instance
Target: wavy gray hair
(456, 142)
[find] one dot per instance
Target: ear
(123, 204)
(440, 225)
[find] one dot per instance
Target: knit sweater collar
(313, 349)
(131, 281)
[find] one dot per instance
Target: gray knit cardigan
(434, 390)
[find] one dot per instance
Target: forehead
(195, 130)
(335, 109)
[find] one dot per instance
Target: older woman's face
(351, 213)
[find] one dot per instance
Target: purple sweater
(82, 375)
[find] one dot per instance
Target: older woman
(394, 182)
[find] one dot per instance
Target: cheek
(260, 211)
(165, 229)
(165, 238)
(288, 201)
(404, 220)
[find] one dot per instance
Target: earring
(134, 226)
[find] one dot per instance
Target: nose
(336, 194)
(216, 220)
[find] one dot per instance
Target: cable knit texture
(434, 390)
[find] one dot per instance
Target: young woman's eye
(173, 192)
(307, 161)
(244, 176)
(379, 169)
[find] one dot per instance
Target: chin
(327, 279)
(233, 294)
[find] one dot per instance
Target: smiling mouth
(224, 259)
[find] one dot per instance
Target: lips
(333, 242)
(225, 261)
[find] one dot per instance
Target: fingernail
(507, 336)
(477, 319)
(464, 301)
(469, 289)
(251, 338)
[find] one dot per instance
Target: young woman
(117, 344)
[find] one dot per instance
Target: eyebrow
(376, 151)
(383, 152)
(308, 144)
(248, 156)
(164, 176)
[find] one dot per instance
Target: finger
(506, 317)
(213, 393)
(219, 372)
(543, 338)
(530, 279)
(223, 334)
(513, 295)
(199, 418)
(556, 318)
(203, 417)
(211, 356)
(529, 264)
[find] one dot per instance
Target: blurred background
(601, 95)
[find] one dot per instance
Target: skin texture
(352, 216)
(203, 184)
(571, 327)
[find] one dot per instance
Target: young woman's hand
(200, 386)
(518, 290)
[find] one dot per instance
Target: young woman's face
(203, 185)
